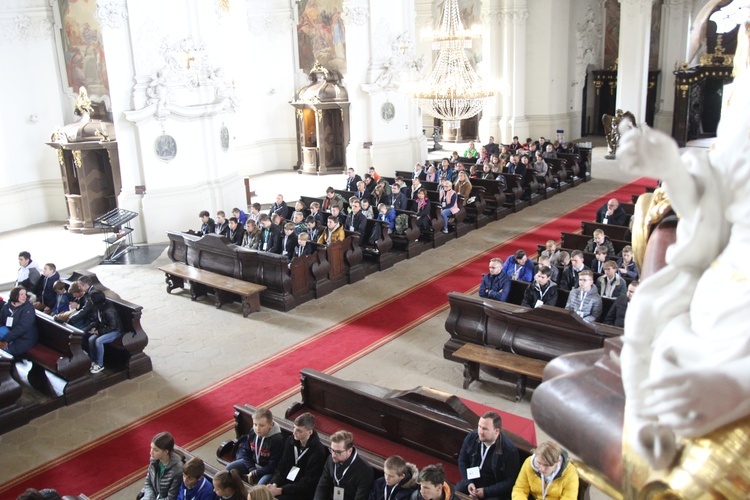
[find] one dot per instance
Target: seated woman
(18, 331)
(108, 329)
(423, 210)
(463, 185)
(164, 475)
(448, 203)
(547, 474)
(251, 239)
(228, 485)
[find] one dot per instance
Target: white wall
(31, 188)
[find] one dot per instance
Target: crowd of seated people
(300, 467)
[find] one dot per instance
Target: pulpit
(322, 118)
(89, 165)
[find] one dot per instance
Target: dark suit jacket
(271, 237)
(351, 182)
(236, 236)
(288, 244)
(398, 202)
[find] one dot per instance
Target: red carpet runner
(110, 463)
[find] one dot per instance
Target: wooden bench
(224, 288)
(12, 414)
(473, 355)
(59, 352)
(579, 241)
(616, 232)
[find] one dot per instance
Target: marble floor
(185, 361)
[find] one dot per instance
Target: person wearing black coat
(18, 332)
(270, 236)
(345, 469)
(304, 452)
(612, 213)
(108, 329)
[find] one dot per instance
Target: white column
(632, 74)
(672, 49)
(491, 67)
(356, 15)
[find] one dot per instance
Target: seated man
(236, 231)
(336, 212)
(240, 215)
(195, 486)
(333, 232)
(351, 180)
(47, 296)
(561, 258)
(616, 314)
(222, 225)
(300, 226)
(252, 237)
(569, 278)
(356, 221)
(398, 199)
(208, 226)
(270, 235)
(372, 173)
(611, 285)
(259, 452)
(346, 475)
(278, 207)
(254, 212)
(106, 329)
(29, 274)
(543, 292)
(302, 463)
(84, 316)
(626, 264)
(332, 199)
(545, 261)
(367, 209)
(303, 247)
(598, 240)
(519, 267)
(488, 461)
(313, 228)
(601, 256)
(362, 192)
(495, 284)
(432, 485)
(585, 300)
(612, 213)
(18, 332)
(399, 481)
(288, 241)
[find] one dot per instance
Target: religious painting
(612, 34)
(321, 34)
(83, 47)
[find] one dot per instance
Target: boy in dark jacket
(108, 328)
(301, 464)
(259, 453)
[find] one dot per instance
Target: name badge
(338, 493)
(604, 220)
(539, 303)
(9, 321)
(472, 472)
(293, 473)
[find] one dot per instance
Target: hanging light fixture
(453, 91)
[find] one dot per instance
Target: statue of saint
(686, 354)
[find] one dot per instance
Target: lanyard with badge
(546, 483)
(473, 472)
(256, 451)
(295, 470)
(540, 301)
(580, 306)
(338, 491)
(9, 319)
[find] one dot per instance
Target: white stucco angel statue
(686, 357)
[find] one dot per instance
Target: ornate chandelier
(453, 91)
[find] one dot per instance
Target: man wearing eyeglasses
(301, 465)
(346, 476)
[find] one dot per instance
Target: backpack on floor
(402, 222)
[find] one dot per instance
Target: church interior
(208, 105)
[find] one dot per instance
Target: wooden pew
(615, 232)
(542, 333)
(515, 192)
(577, 241)
(408, 242)
(379, 252)
(562, 179)
(59, 352)
(12, 414)
(498, 205)
(572, 170)
(423, 419)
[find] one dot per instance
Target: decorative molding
(589, 35)
(642, 6)
(112, 14)
(402, 65)
(357, 15)
(265, 23)
(518, 16)
(22, 28)
(493, 16)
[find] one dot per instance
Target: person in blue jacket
(519, 267)
(495, 284)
